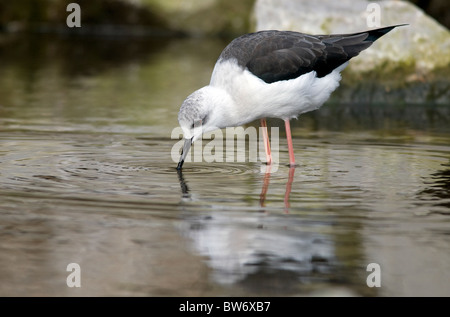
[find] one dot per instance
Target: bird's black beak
(184, 152)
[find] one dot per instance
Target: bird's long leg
(289, 143)
(266, 141)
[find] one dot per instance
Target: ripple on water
(218, 168)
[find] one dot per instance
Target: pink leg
(266, 141)
(289, 142)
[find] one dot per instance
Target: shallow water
(87, 177)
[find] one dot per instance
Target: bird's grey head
(194, 114)
(197, 115)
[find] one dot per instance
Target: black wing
(283, 55)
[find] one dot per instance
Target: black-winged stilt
(276, 74)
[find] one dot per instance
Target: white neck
(225, 112)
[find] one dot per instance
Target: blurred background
(213, 17)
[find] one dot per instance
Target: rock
(423, 45)
(205, 17)
(409, 64)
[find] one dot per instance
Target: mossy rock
(206, 17)
(410, 64)
(420, 47)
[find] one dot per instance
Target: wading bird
(275, 74)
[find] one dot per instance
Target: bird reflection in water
(184, 187)
(265, 187)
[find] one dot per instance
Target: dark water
(86, 177)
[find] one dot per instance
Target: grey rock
(423, 45)
(410, 64)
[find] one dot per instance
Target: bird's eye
(198, 123)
